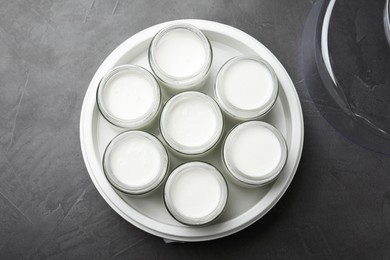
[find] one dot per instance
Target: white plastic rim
(295, 134)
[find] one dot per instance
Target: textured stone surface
(338, 205)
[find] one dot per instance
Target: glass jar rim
(146, 188)
(171, 80)
(181, 169)
(180, 147)
(133, 123)
(240, 175)
(237, 112)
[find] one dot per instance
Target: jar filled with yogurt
(191, 123)
(180, 56)
(129, 97)
(195, 193)
(246, 87)
(135, 162)
(254, 153)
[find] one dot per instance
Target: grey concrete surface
(337, 207)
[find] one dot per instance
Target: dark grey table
(338, 205)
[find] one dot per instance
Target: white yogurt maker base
(245, 206)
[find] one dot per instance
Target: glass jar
(129, 97)
(180, 55)
(195, 193)
(246, 87)
(254, 153)
(191, 123)
(135, 162)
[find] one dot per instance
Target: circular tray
(245, 206)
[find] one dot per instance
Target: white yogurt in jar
(255, 152)
(195, 193)
(246, 87)
(180, 55)
(129, 97)
(191, 123)
(135, 162)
